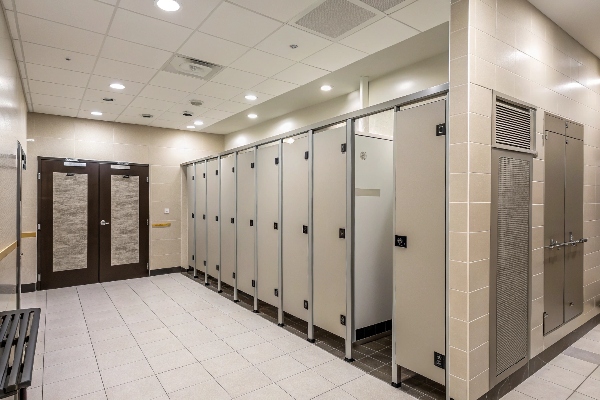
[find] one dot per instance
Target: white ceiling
(579, 18)
(129, 41)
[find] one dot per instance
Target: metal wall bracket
(439, 360)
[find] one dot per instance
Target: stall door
(124, 221)
(329, 216)
(212, 218)
(246, 208)
(191, 198)
(200, 216)
(268, 223)
(295, 227)
(68, 223)
(228, 223)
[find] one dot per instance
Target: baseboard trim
(27, 287)
(165, 271)
(539, 361)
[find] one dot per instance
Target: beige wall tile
(458, 334)
(479, 360)
(537, 194)
(537, 341)
(479, 246)
(52, 126)
(165, 191)
(459, 276)
(480, 188)
(458, 363)
(130, 153)
(93, 151)
(459, 15)
(458, 388)
(537, 286)
(459, 214)
(459, 187)
(459, 128)
(459, 160)
(157, 210)
(479, 217)
(479, 332)
(165, 261)
(458, 305)
(479, 274)
(50, 147)
(458, 246)
(537, 215)
(172, 232)
(160, 174)
(480, 100)
(459, 43)
(479, 303)
(479, 385)
(459, 71)
(93, 131)
(537, 261)
(165, 246)
(480, 129)
(537, 312)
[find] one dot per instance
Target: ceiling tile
(53, 34)
(53, 89)
(207, 101)
(233, 107)
(301, 74)
(49, 56)
(152, 104)
(238, 25)
(105, 108)
(282, 10)
(274, 87)
(424, 14)
(148, 31)
(120, 70)
(67, 112)
(160, 93)
(261, 63)
(25, 85)
(191, 13)
(241, 79)
(103, 83)
(379, 35)
(55, 101)
(120, 99)
(176, 82)
(135, 111)
(134, 119)
(55, 75)
(334, 57)
(212, 49)
(167, 124)
(216, 114)
(178, 118)
(219, 90)
(22, 70)
(261, 97)
(85, 14)
(279, 43)
(133, 53)
(8, 4)
(12, 24)
(104, 117)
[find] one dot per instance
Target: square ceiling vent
(183, 65)
(383, 5)
(336, 19)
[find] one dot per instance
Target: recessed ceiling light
(117, 86)
(168, 5)
(96, 113)
(187, 113)
(198, 122)
(108, 99)
(251, 97)
(31, 140)
(326, 88)
(253, 116)
(294, 46)
(191, 126)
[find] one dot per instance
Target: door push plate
(400, 241)
(251, 222)
(440, 130)
(253, 283)
(343, 320)
(439, 360)
(233, 220)
(275, 225)
(306, 304)
(276, 292)
(342, 233)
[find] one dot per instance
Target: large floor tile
(338, 372)
(225, 364)
(243, 381)
(210, 390)
(126, 373)
(261, 353)
(211, 349)
(270, 392)
(573, 364)
(543, 390)
(69, 370)
(306, 385)
(559, 376)
(143, 389)
(368, 387)
(73, 387)
(281, 368)
(168, 361)
(591, 388)
(180, 378)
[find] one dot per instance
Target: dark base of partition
(165, 271)
(27, 287)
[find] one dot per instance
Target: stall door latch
(234, 275)
(400, 241)
(217, 267)
(276, 292)
(439, 360)
(305, 229)
(440, 130)
(306, 304)
(342, 233)
(275, 225)
(251, 222)
(343, 320)
(343, 147)
(253, 283)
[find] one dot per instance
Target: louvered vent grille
(382, 5)
(512, 271)
(513, 126)
(333, 18)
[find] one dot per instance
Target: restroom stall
(200, 218)
(228, 207)
(246, 222)
(213, 245)
(191, 197)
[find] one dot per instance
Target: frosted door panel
(200, 218)
(295, 217)
(70, 221)
(191, 199)
(125, 219)
(329, 215)
(212, 205)
(245, 208)
(228, 223)
(268, 206)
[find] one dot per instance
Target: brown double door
(93, 222)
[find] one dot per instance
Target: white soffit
(70, 51)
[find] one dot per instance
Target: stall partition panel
(228, 222)
(200, 215)
(420, 241)
(295, 227)
(268, 223)
(191, 198)
(212, 217)
(329, 219)
(246, 220)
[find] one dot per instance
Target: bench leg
(22, 394)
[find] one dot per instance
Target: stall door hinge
(276, 291)
(193, 257)
(343, 320)
(147, 222)
(251, 165)
(343, 147)
(193, 177)
(39, 277)
(305, 229)
(342, 233)
(306, 304)
(217, 218)
(192, 215)
(439, 360)
(275, 225)
(203, 216)
(217, 172)
(276, 160)
(217, 267)
(234, 275)
(232, 169)
(440, 129)
(232, 220)
(39, 175)
(251, 222)
(253, 283)
(205, 263)
(39, 227)
(306, 155)
(148, 266)
(203, 175)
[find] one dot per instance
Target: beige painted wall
(163, 149)
(510, 46)
(413, 78)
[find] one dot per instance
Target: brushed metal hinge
(39, 277)
(147, 222)
(148, 266)
(147, 179)
(39, 227)
(39, 175)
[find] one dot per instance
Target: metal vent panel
(512, 271)
(513, 126)
(334, 18)
(382, 5)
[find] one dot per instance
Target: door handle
(103, 222)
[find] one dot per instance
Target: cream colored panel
(124, 219)
(212, 206)
(8, 194)
(227, 213)
(329, 215)
(200, 215)
(421, 216)
(268, 206)
(245, 208)
(295, 216)
(191, 198)
(70, 221)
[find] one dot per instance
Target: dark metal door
(68, 223)
(123, 221)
